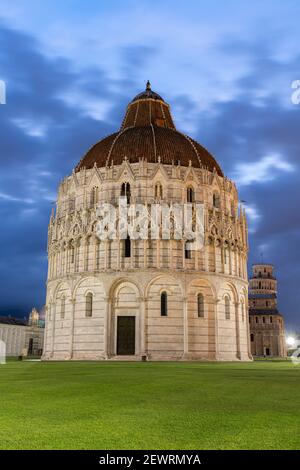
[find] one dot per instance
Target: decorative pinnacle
(148, 85)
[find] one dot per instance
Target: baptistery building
(147, 298)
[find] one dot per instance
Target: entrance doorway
(267, 351)
(126, 336)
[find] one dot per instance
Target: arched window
(264, 320)
(200, 305)
(158, 191)
(94, 196)
(127, 247)
(216, 200)
(125, 191)
(187, 250)
(164, 304)
(252, 337)
(62, 307)
(227, 308)
(190, 194)
(271, 319)
(89, 305)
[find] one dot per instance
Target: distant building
(267, 334)
(35, 333)
(13, 333)
(22, 337)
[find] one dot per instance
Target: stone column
(222, 258)
(133, 246)
(185, 328)
(72, 321)
(106, 328)
(53, 316)
(217, 349)
(214, 253)
(94, 240)
(97, 254)
(46, 330)
(67, 258)
(55, 272)
(106, 254)
(242, 264)
(77, 256)
(86, 254)
(158, 253)
(145, 252)
(230, 259)
(118, 241)
(49, 273)
(196, 254)
(206, 249)
(237, 330)
(248, 329)
(142, 326)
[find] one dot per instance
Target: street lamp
(290, 341)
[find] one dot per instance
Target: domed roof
(148, 131)
(148, 93)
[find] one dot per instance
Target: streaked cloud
(31, 128)
(253, 217)
(10, 198)
(261, 171)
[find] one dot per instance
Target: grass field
(149, 405)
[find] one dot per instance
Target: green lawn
(184, 405)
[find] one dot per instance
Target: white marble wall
(80, 264)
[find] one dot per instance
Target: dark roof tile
(148, 131)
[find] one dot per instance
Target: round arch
(157, 278)
(97, 283)
(121, 281)
(205, 281)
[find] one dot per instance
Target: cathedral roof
(13, 321)
(148, 131)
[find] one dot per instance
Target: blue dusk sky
(226, 68)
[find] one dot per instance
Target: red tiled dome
(148, 131)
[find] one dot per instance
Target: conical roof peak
(146, 109)
(147, 94)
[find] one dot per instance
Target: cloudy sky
(226, 68)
